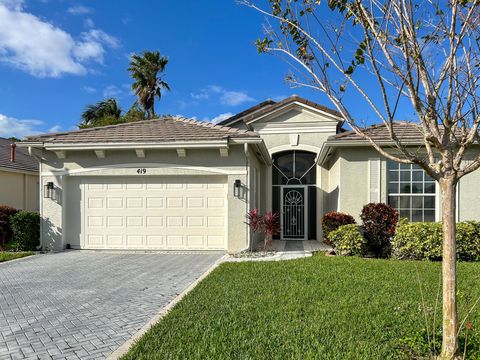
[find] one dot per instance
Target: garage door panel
(155, 203)
(174, 202)
(155, 241)
(154, 213)
(195, 241)
(154, 221)
(135, 241)
(134, 203)
(175, 241)
(134, 221)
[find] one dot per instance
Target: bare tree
(423, 55)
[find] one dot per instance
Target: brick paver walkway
(83, 305)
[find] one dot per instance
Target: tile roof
(270, 105)
(165, 129)
(23, 161)
(405, 131)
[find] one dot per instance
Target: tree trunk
(449, 272)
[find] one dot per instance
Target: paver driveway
(84, 305)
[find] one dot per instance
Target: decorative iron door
(294, 209)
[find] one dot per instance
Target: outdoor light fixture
(236, 188)
(48, 190)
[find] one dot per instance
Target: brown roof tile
(156, 130)
(270, 105)
(404, 131)
(23, 161)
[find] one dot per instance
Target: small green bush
(26, 230)
(348, 240)
(418, 241)
(423, 241)
(468, 240)
(332, 220)
(6, 212)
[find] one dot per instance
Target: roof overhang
(328, 145)
(18, 171)
(198, 144)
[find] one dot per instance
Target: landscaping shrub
(26, 230)
(6, 213)
(379, 223)
(468, 240)
(423, 241)
(348, 240)
(418, 241)
(332, 220)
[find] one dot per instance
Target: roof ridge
(212, 125)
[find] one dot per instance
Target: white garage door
(154, 213)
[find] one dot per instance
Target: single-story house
(180, 184)
(19, 182)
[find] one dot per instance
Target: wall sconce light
(48, 190)
(236, 188)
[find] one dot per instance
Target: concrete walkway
(84, 305)
(284, 250)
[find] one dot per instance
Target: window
(411, 191)
(294, 168)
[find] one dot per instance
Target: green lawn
(6, 256)
(315, 308)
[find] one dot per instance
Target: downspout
(40, 187)
(247, 201)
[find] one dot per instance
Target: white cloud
(200, 96)
(88, 89)
(226, 97)
(221, 117)
(10, 126)
(55, 128)
(111, 91)
(234, 98)
(79, 10)
(92, 45)
(44, 50)
(88, 23)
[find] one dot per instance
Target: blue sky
(57, 56)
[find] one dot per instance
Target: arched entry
(294, 193)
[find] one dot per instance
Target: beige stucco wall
(354, 184)
(20, 190)
(64, 211)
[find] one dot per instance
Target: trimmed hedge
(332, 220)
(6, 212)
(26, 231)
(423, 241)
(348, 240)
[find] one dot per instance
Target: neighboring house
(19, 184)
(180, 184)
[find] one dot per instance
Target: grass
(6, 256)
(315, 308)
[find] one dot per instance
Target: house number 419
(141, 171)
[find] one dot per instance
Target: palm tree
(95, 113)
(146, 70)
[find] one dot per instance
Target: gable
(297, 118)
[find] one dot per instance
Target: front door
(294, 208)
